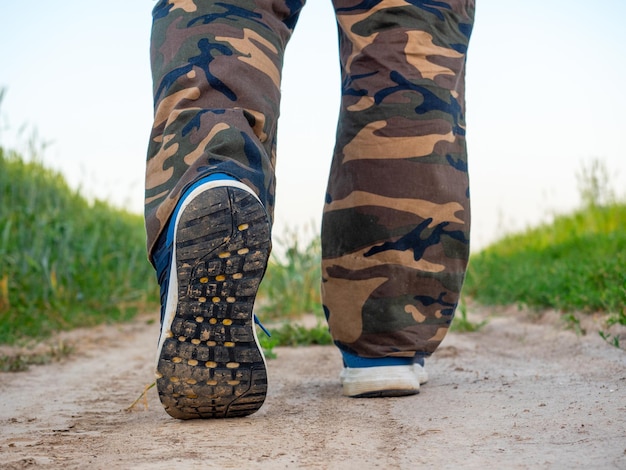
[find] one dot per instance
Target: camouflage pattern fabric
(395, 230)
(395, 234)
(216, 70)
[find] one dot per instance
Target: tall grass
(577, 263)
(291, 285)
(64, 262)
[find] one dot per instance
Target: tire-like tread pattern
(211, 365)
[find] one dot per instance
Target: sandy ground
(521, 393)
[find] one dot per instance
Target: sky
(545, 96)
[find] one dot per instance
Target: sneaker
(381, 377)
(419, 370)
(209, 264)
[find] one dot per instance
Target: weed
(290, 287)
(613, 340)
(573, 323)
(289, 334)
(268, 343)
(595, 185)
(618, 318)
(462, 324)
(20, 362)
(298, 335)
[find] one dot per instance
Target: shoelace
(258, 322)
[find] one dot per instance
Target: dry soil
(524, 392)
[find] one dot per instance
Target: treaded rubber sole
(386, 394)
(210, 364)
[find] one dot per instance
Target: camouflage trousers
(395, 227)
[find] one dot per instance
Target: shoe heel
(210, 364)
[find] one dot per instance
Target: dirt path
(518, 394)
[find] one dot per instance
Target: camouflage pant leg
(395, 231)
(216, 71)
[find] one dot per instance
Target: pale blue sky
(545, 92)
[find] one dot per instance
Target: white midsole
(360, 380)
(363, 379)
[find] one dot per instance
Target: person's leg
(395, 231)
(209, 194)
(216, 70)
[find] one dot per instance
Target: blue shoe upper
(354, 361)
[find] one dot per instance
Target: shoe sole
(420, 373)
(375, 382)
(209, 363)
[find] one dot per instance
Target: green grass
(65, 262)
(21, 361)
(291, 286)
(577, 263)
(298, 335)
(462, 323)
(289, 334)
